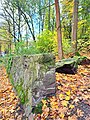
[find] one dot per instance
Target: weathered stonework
(33, 77)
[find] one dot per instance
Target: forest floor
(10, 107)
(72, 99)
(71, 102)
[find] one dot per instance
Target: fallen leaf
(71, 106)
(68, 93)
(67, 98)
(61, 115)
(74, 117)
(64, 103)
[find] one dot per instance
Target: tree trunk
(0, 49)
(14, 33)
(59, 35)
(39, 16)
(19, 25)
(43, 17)
(74, 26)
(53, 23)
(49, 16)
(70, 29)
(27, 21)
(26, 37)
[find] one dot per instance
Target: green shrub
(66, 46)
(46, 42)
(83, 44)
(38, 108)
(19, 48)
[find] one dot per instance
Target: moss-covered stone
(33, 78)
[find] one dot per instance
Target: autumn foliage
(71, 92)
(9, 101)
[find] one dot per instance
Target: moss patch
(21, 93)
(11, 79)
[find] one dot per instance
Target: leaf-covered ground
(72, 100)
(10, 107)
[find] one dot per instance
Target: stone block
(34, 78)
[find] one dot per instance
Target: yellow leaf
(44, 102)
(61, 115)
(54, 105)
(59, 87)
(64, 103)
(67, 98)
(71, 106)
(44, 107)
(68, 93)
(61, 96)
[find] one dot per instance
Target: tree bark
(59, 34)
(26, 20)
(0, 49)
(74, 26)
(53, 23)
(49, 16)
(39, 16)
(14, 32)
(19, 25)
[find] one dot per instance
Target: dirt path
(10, 108)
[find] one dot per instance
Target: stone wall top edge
(32, 55)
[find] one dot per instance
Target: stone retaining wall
(33, 78)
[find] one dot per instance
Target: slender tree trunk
(9, 29)
(9, 47)
(59, 34)
(19, 25)
(49, 16)
(26, 37)
(53, 23)
(74, 26)
(0, 48)
(70, 29)
(33, 36)
(39, 26)
(39, 16)
(14, 33)
(27, 21)
(43, 17)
